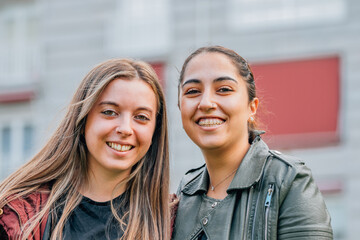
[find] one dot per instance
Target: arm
(303, 213)
(9, 223)
(173, 202)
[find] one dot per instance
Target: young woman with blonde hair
(104, 173)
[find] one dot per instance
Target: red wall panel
(159, 69)
(299, 101)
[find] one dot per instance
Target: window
(16, 145)
(140, 28)
(5, 142)
(249, 14)
(28, 140)
(19, 48)
(5, 150)
(299, 101)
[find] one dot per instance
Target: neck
(222, 164)
(103, 188)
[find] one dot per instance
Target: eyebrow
(117, 105)
(219, 79)
(109, 103)
(191, 81)
(225, 78)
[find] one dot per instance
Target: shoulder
(298, 198)
(290, 174)
(286, 159)
(20, 210)
(32, 201)
(9, 222)
(286, 164)
(37, 198)
(285, 169)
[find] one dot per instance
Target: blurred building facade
(305, 55)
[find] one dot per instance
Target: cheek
(88, 132)
(237, 104)
(96, 130)
(187, 107)
(145, 135)
(241, 113)
(91, 137)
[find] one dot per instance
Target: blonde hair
(62, 162)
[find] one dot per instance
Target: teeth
(208, 122)
(119, 147)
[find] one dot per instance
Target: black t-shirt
(92, 220)
(202, 236)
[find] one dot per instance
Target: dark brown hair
(243, 69)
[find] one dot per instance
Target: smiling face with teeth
(214, 103)
(120, 126)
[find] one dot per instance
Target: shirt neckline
(106, 203)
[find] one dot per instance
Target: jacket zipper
(267, 208)
(258, 198)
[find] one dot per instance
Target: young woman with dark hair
(244, 190)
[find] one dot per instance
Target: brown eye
(191, 91)
(142, 118)
(109, 113)
(225, 89)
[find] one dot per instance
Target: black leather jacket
(272, 196)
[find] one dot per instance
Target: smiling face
(214, 103)
(120, 126)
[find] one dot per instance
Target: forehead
(210, 65)
(129, 91)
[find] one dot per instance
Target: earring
(252, 119)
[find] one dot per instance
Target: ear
(253, 106)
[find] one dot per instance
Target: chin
(209, 145)
(205, 142)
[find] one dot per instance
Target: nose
(206, 103)
(124, 127)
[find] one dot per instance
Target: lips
(120, 147)
(210, 121)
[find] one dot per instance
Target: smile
(119, 147)
(210, 122)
